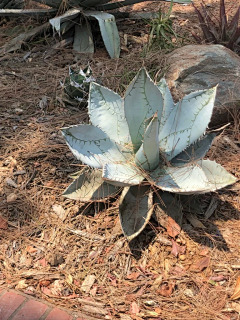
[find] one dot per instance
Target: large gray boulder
(196, 67)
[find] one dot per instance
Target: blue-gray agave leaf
(147, 156)
(92, 146)
(67, 16)
(135, 210)
(168, 103)
(83, 38)
(106, 111)
(89, 185)
(217, 176)
(109, 31)
(195, 151)
(122, 175)
(187, 179)
(187, 122)
(200, 177)
(142, 100)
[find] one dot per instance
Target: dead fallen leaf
(175, 248)
(59, 211)
(219, 278)
(93, 291)
(200, 264)
(87, 283)
(134, 308)
(158, 310)
(236, 293)
(11, 197)
(57, 287)
(173, 229)
(31, 249)
(234, 306)
(69, 279)
(44, 283)
(21, 285)
(157, 282)
(43, 262)
(3, 223)
(46, 291)
(166, 289)
(133, 275)
(178, 270)
(204, 252)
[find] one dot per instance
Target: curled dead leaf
(133, 275)
(3, 223)
(88, 283)
(236, 293)
(21, 285)
(134, 308)
(200, 264)
(166, 289)
(44, 283)
(173, 228)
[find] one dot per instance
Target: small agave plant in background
(76, 86)
(144, 145)
(78, 20)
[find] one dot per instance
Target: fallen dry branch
(33, 13)
(16, 43)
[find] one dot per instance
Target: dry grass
(40, 252)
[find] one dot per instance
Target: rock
(11, 197)
(11, 183)
(196, 67)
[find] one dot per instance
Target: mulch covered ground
(74, 254)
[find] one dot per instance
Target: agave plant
(219, 32)
(79, 16)
(77, 84)
(144, 144)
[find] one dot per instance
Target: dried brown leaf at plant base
(3, 223)
(88, 283)
(200, 264)
(173, 229)
(236, 293)
(134, 308)
(166, 289)
(176, 249)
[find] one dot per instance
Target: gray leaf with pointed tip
(195, 151)
(67, 16)
(168, 103)
(204, 176)
(217, 176)
(122, 175)
(187, 122)
(106, 111)
(109, 31)
(91, 145)
(135, 209)
(142, 100)
(147, 156)
(83, 38)
(89, 185)
(188, 179)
